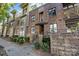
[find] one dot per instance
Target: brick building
(60, 21)
(47, 18)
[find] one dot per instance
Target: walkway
(14, 49)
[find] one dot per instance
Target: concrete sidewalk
(14, 49)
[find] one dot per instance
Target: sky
(17, 7)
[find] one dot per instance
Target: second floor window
(34, 7)
(52, 11)
(22, 23)
(33, 18)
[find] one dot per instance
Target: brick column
(60, 20)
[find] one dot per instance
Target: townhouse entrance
(41, 23)
(41, 29)
(39, 34)
(40, 26)
(42, 39)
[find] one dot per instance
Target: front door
(41, 29)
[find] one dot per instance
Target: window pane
(53, 28)
(33, 18)
(33, 29)
(52, 11)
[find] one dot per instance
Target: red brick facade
(47, 20)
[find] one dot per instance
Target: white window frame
(33, 18)
(53, 28)
(33, 30)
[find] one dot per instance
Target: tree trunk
(13, 31)
(7, 29)
(3, 27)
(14, 25)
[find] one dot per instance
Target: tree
(7, 25)
(4, 10)
(14, 24)
(24, 7)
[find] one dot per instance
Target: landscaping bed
(41, 52)
(45, 44)
(19, 39)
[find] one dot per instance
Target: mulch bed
(10, 40)
(41, 52)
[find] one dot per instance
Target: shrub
(21, 40)
(17, 39)
(1, 35)
(37, 45)
(44, 47)
(7, 35)
(27, 39)
(14, 38)
(45, 44)
(46, 40)
(11, 38)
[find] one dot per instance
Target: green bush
(17, 39)
(45, 44)
(27, 39)
(37, 45)
(44, 47)
(46, 40)
(14, 38)
(21, 40)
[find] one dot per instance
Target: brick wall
(58, 18)
(64, 44)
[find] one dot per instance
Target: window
(33, 18)
(53, 28)
(22, 23)
(22, 28)
(52, 11)
(33, 30)
(34, 7)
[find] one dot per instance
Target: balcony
(41, 22)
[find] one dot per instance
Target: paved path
(13, 49)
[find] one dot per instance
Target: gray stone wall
(64, 44)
